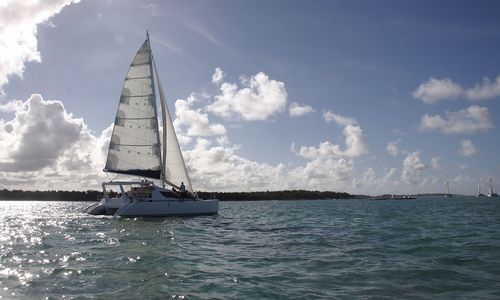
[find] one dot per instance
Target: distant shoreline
(93, 196)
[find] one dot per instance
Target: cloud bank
(43, 140)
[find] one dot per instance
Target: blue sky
(389, 96)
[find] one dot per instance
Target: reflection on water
(252, 250)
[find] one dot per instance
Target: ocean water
(430, 248)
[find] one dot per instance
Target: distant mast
(447, 190)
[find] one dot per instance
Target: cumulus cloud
(356, 145)
(485, 90)
(435, 162)
(218, 76)
(216, 167)
(466, 121)
(192, 121)
(435, 90)
(390, 173)
(297, 110)
(393, 148)
(322, 173)
(43, 139)
(412, 167)
(11, 106)
(467, 148)
(330, 162)
(259, 98)
(340, 120)
(18, 33)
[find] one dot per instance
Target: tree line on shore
(92, 195)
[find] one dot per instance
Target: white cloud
(43, 140)
(467, 148)
(18, 33)
(356, 145)
(412, 167)
(220, 168)
(391, 173)
(11, 106)
(322, 173)
(330, 164)
(435, 162)
(392, 148)
(436, 90)
(466, 121)
(485, 90)
(340, 120)
(258, 99)
(218, 76)
(296, 110)
(192, 121)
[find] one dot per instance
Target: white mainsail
(134, 147)
(175, 170)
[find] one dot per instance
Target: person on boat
(182, 190)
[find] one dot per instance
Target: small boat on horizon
(491, 193)
(393, 197)
(447, 190)
(479, 194)
(135, 149)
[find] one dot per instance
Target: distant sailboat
(479, 194)
(491, 193)
(447, 190)
(136, 149)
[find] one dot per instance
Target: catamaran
(491, 193)
(135, 149)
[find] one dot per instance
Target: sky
(364, 97)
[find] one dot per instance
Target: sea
(427, 248)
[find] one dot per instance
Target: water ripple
(421, 249)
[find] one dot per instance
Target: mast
(491, 185)
(162, 167)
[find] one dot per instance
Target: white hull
(162, 208)
(154, 204)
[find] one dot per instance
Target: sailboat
(135, 149)
(491, 193)
(479, 194)
(447, 190)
